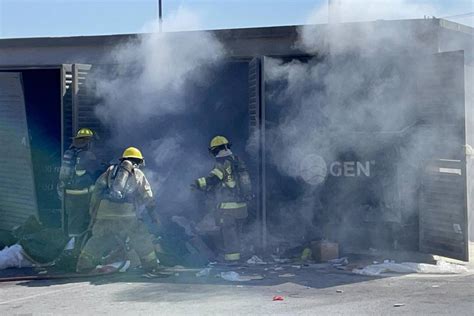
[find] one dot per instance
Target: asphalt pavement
(305, 290)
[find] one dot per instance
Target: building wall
(240, 43)
(243, 43)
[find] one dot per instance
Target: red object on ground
(278, 298)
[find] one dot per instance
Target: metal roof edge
(222, 34)
(454, 26)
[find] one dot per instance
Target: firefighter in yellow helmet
(121, 195)
(229, 183)
(80, 169)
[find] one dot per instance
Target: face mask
(81, 142)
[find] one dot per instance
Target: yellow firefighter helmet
(218, 141)
(84, 132)
(132, 152)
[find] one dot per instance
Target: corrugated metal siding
(68, 130)
(441, 108)
(469, 99)
(254, 95)
(17, 190)
(84, 104)
(256, 148)
(443, 219)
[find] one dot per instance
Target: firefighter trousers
(230, 222)
(108, 235)
(77, 216)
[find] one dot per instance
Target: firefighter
(80, 169)
(120, 197)
(230, 189)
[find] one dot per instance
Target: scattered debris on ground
(306, 254)
(121, 266)
(441, 267)
(231, 276)
(13, 256)
(286, 275)
(204, 272)
(236, 277)
(324, 250)
(339, 261)
(280, 260)
(258, 268)
(255, 260)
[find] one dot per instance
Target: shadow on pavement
(182, 283)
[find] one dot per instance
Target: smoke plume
(345, 135)
(150, 92)
(346, 126)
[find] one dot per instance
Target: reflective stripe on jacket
(138, 195)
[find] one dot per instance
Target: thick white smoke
(149, 89)
(357, 96)
(348, 11)
(356, 99)
(360, 10)
(161, 64)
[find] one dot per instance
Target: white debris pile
(13, 257)
(255, 260)
(204, 272)
(232, 276)
(120, 266)
(287, 275)
(280, 260)
(339, 263)
(441, 267)
(235, 277)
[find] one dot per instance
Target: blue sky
(35, 18)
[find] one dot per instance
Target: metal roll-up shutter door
(443, 217)
(17, 189)
(443, 207)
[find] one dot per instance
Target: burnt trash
(306, 254)
(324, 250)
(256, 260)
(204, 272)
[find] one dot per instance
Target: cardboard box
(324, 250)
